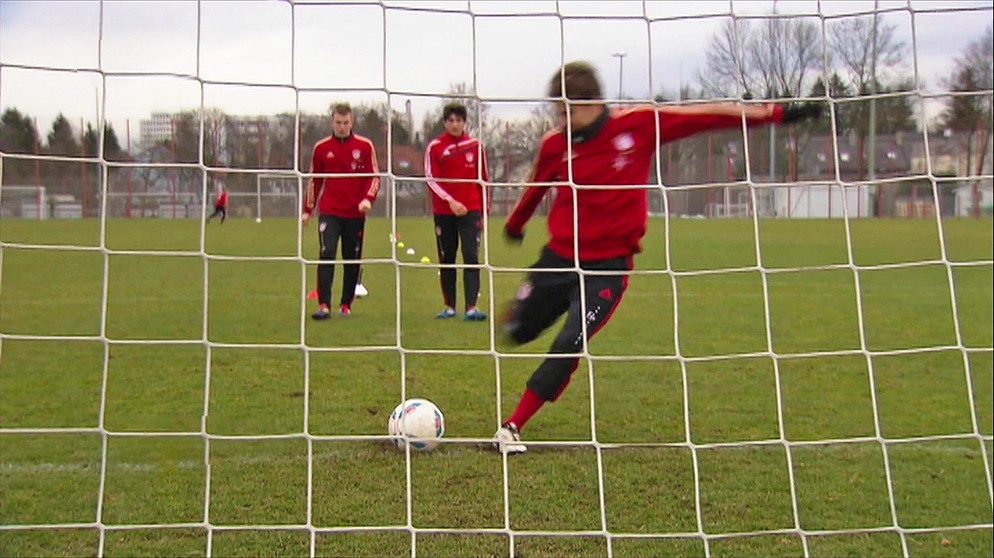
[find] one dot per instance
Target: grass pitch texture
(766, 388)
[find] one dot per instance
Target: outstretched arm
(677, 122)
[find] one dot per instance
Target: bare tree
(513, 144)
(865, 47)
(972, 114)
(773, 59)
(214, 119)
(786, 51)
(725, 73)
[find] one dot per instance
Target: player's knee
(567, 342)
(552, 377)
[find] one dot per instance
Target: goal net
(801, 365)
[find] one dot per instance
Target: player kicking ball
(595, 145)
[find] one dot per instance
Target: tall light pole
(621, 70)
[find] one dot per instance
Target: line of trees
(973, 71)
(775, 58)
(786, 58)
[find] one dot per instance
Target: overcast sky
(128, 59)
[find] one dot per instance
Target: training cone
(312, 294)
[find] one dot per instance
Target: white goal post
(25, 202)
(276, 195)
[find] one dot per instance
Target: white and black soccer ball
(417, 422)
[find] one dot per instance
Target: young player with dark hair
(595, 146)
(220, 205)
(455, 169)
(343, 202)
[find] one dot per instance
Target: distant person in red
(220, 205)
(455, 168)
(595, 145)
(342, 203)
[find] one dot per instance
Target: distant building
(156, 129)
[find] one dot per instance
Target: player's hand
(514, 237)
(797, 112)
(365, 206)
(457, 207)
(304, 218)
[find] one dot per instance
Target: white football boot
(507, 440)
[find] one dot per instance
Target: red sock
(528, 405)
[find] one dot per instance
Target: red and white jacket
(340, 195)
(456, 168)
(617, 152)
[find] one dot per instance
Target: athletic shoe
(507, 438)
(507, 323)
(360, 291)
(323, 313)
(344, 311)
(474, 315)
(449, 312)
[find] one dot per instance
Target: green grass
(134, 423)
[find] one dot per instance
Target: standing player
(220, 205)
(595, 146)
(343, 202)
(455, 164)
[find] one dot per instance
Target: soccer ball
(417, 422)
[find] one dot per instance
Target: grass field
(819, 391)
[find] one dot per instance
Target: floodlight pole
(621, 70)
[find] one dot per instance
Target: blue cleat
(322, 313)
(474, 315)
(449, 312)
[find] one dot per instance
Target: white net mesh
(802, 364)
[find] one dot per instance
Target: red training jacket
(612, 221)
(222, 199)
(340, 195)
(459, 164)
